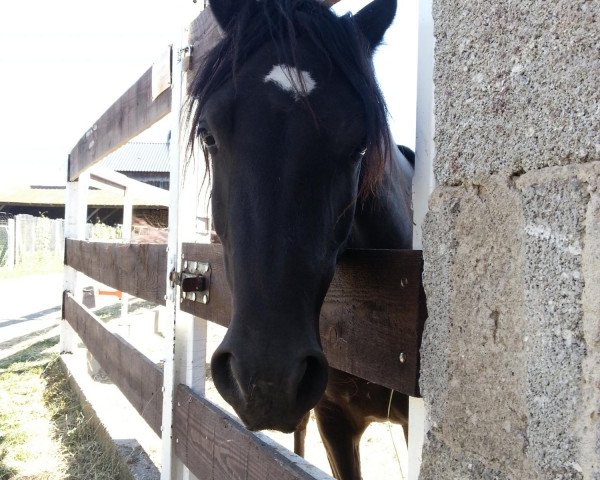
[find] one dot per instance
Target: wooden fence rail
(135, 110)
(138, 378)
(371, 321)
(212, 445)
(210, 442)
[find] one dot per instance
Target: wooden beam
(373, 314)
(204, 35)
(212, 444)
(372, 318)
(137, 269)
(138, 378)
(127, 117)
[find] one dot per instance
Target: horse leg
(300, 436)
(341, 437)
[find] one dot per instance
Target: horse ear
(374, 19)
(224, 11)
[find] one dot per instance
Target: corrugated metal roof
(139, 157)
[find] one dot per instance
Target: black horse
(293, 126)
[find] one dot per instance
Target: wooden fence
(371, 322)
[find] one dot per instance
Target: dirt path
(29, 311)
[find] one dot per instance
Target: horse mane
(282, 22)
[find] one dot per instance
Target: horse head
(294, 128)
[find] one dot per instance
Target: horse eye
(207, 139)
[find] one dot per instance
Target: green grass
(44, 434)
(38, 265)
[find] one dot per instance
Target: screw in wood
(402, 357)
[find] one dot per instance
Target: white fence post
(17, 238)
(423, 185)
(75, 224)
(126, 227)
(10, 254)
(186, 342)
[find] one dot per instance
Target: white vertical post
(424, 180)
(186, 339)
(127, 215)
(190, 331)
(10, 254)
(126, 227)
(18, 242)
(75, 226)
(423, 185)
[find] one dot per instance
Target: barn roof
(55, 197)
(139, 157)
(131, 157)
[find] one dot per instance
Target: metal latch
(194, 281)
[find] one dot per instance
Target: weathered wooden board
(373, 316)
(373, 313)
(214, 445)
(204, 35)
(138, 269)
(127, 117)
(138, 378)
(161, 72)
(218, 309)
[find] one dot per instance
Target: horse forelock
(285, 23)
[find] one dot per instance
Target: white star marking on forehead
(298, 82)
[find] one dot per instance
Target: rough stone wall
(511, 351)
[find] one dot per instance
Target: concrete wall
(511, 351)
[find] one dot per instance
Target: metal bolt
(193, 297)
(205, 299)
(185, 265)
(193, 266)
(402, 357)
(403, 282)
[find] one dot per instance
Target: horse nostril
(221, 366)
(312, 382)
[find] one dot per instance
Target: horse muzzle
(265, 393)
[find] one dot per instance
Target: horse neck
(384, 220)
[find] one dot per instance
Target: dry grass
(43, 432)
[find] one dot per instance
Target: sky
(63, 63)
